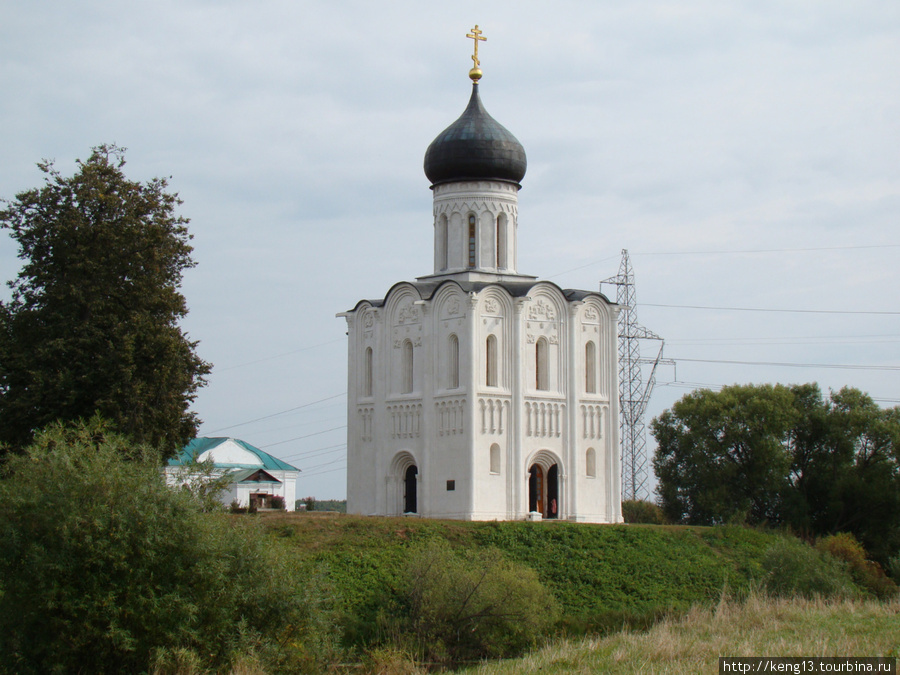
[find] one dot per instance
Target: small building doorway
(410, 504)
(543, 490)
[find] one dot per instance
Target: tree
(853, 478)
(783, 455)
(721, 455)
(105, 569)
(92, 325)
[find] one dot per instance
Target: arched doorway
(543, 489)
(410, 479)
(536, 489)
(402, 485)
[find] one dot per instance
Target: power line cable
(277, 356)
(298, 438)
(319, 466)
(319, 473)
(307, 455)
(283, 412)
(789, 365)
(761, 309)
(731, 252)
(771, 250)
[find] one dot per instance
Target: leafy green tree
(854, 474)
(105, 569)
(721, 455)
(784, 455)
(92, 325)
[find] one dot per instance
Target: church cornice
(517, 286)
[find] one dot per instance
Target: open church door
(543, 490)
(552, 492)
(410, 504)
(536, 489)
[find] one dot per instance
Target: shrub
(866, 573)
(792, 567)
(454, 607)
(894, 567)
(105, 569)
(640, 511)
(278, 502)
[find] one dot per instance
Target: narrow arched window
(590, 368)
(540, 365)
(591, 463)
(453, 363)
(491, 361)
(472, 240)
(502, 241)
(443, 243)
(367, 376)
(495, 458)
(406, 368)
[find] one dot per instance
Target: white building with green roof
(257, 476)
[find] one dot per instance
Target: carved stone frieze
(541, 311)
(409, 314)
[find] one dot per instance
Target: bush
(866, 573)
(793, 568)
(639, 511)
(894, 567)
(105, 569)
(278, 502)
(454, 607)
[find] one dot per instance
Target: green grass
(604, 576)
(693, 642)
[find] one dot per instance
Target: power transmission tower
(633, 395)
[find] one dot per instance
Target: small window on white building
(541, 364)
(443, 243)
(590, 368)
(453, 362)
(406, 368)
(495, 458)
(472, 240)
(502, 241)
(490, 379)
(367, 376)
(591, 463)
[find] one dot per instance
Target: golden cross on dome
(475, 35)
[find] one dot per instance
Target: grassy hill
(693, 643)
(604, 576)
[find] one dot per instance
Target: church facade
(477, 392)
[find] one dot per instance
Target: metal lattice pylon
(633, 395)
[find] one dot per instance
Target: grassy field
(693, 642)
(651, 599)
(604, 576)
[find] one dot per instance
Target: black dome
(475, 146)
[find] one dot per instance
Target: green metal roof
(198, 446)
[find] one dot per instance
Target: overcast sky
(745, 153)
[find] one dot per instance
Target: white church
(477, 392)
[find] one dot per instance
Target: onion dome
(475, 147)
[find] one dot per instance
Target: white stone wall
(483, 437)
(495, 206)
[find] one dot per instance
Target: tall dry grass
(693, 642)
